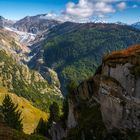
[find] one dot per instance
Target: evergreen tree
(12, 116)
(42, 127)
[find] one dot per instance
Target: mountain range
(73, 50)
(40, 23)
(39, 57)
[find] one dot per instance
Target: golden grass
(30, 114)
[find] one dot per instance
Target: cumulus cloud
(87, 10)
(122, 6)
(83, 9)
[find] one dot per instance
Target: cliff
(107, 106)
(124, 67)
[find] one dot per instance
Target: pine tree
(12, 116)
(41, 128)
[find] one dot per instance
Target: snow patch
(25, 38)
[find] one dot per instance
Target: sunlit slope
(30, 114)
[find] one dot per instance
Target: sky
(127, 11)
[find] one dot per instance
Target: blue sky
(127, 11)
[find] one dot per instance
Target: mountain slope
(75, 50)
(35, 24)
(26, 87)
(7, 133)
(18, 78)
(30, 114)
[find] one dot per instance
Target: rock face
(114, 92)
(120, 104)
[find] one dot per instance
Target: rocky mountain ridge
(35, 24)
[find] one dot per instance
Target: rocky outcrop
(123, 99)
(114, 92)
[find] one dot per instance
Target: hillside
(18, 78)
(75, 50)
(7, 133)
(30, 114)
(26, 87)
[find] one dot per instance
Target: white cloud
(122, 6)
(87, 10)
(83, 9)
(103, 8)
